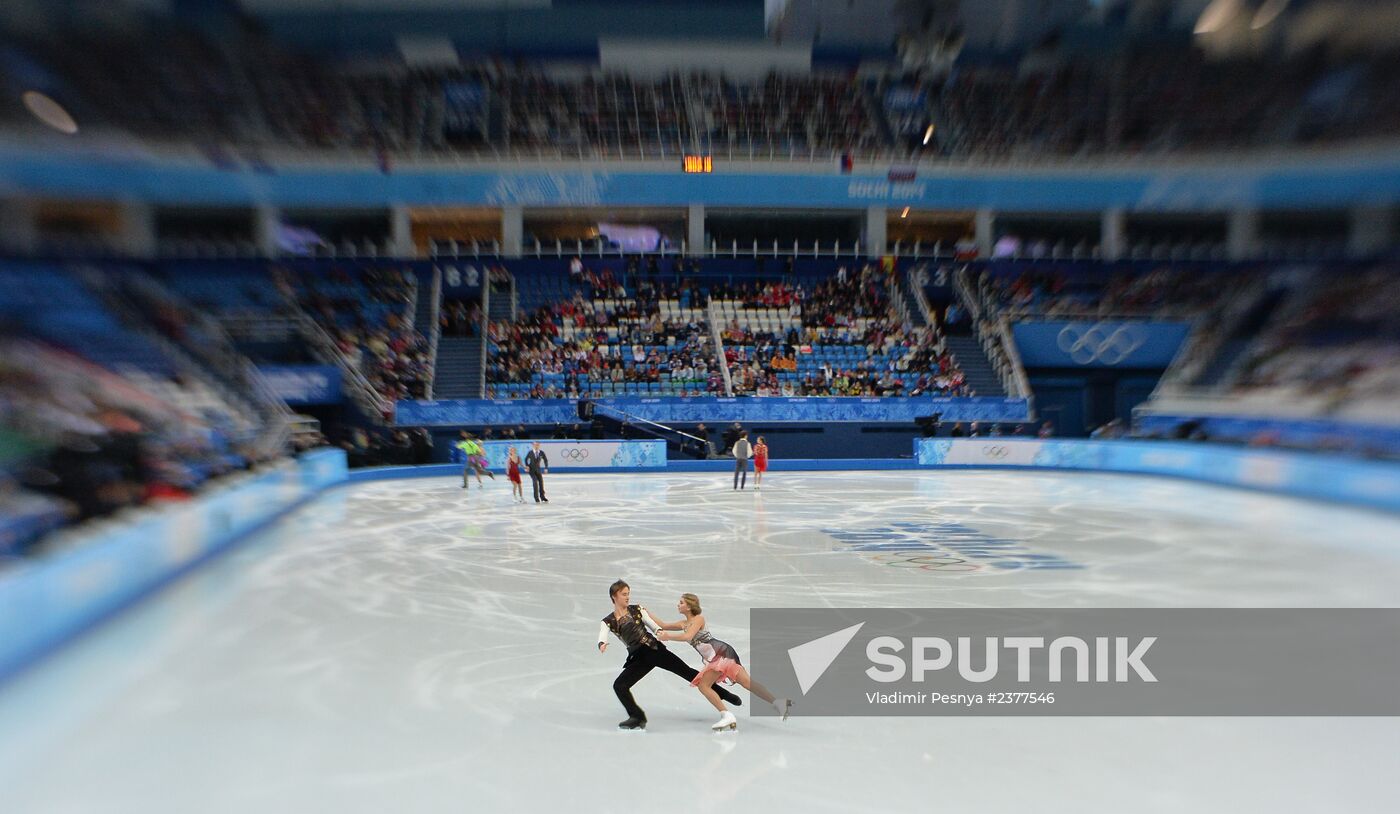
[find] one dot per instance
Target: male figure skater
(537, 464)
(635, 626)
(741, 452)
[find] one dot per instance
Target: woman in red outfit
(513, 475)
(760, 462)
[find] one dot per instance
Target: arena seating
(1050, 289)
(1335, 346)
(832, 337)
(592, 342)
(364, 307)
(99, 442)
(809, 335)
(237, 101)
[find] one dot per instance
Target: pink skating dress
(718, 656)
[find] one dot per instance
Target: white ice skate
(783, 706)
(726, 722)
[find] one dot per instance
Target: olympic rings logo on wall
(574, 454)
(1110, 343)
(995, 451)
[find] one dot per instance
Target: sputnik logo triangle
(811, 660)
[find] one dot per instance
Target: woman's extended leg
(707, 689)
(746, 681)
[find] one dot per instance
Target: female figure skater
(517, 492)
(473, 459)
(760, 463)
(721, 661)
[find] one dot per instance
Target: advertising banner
(583, 454)
(303, 384)
(1125, 344)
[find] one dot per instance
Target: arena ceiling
(858, 26)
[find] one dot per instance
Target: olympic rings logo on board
(995, 451)
(574, 454)
(1105, 342)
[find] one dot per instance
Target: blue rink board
(1374, 484)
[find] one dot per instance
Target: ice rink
(410, 646)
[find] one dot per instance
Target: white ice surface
(407, 646)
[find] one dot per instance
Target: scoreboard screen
(698, 163)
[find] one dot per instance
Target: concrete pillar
(512, 230)
(983, 231)
(401, 232)
(266, 220)
(1372, 230)
(137, 237)
(1113, 234)
(875, 233)
(1242, 234)
(695, 230)
(19, 232)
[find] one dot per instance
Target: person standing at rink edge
(537, 464)
(741, 452)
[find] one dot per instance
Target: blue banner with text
(476, 412)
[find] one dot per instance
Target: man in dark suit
(537, 464)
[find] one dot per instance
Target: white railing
(919, 250)
(717, 336)
(360, 390)
(1018, 385)
(452, 249)
(998, 344)
(916, 280)
(485, 334)
(435, 331)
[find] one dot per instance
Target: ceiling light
(1267, 13)
(1216, 15)
(49, 112)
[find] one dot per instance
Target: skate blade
(728, 728)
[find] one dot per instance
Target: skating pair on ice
(643, 635)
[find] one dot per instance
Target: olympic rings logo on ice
(995, 451)
(927, 562)
(1101, 342)
(574, 454)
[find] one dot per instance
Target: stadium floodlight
(1267, 13)
(1216, 15)
(49, 112)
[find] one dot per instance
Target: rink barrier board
(717, 465)
(1315, 476)
(48, 602)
